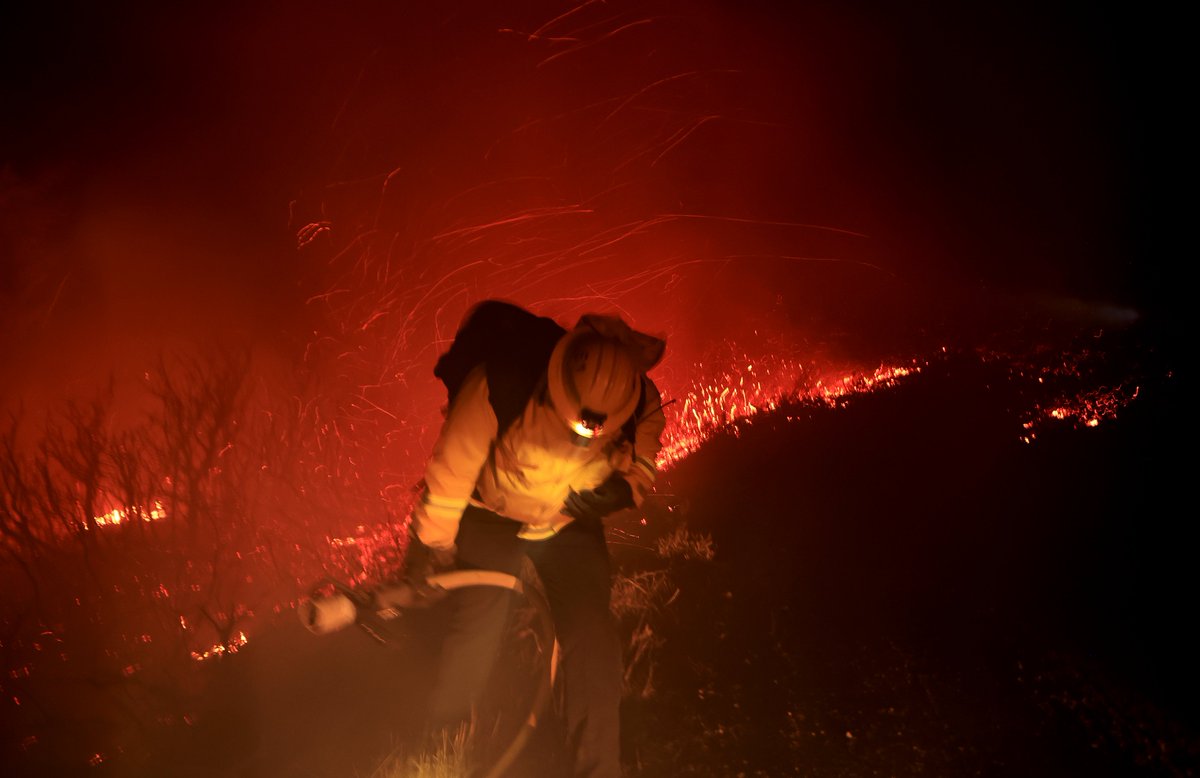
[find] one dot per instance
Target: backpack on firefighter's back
(514, 345)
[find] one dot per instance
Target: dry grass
(638, 595)
(446, 756)
(682, 544)
(639, 598)
(636, 600)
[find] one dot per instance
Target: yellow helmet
(594, 382)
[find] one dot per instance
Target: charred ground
(903, 588)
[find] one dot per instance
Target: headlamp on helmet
(589, 425)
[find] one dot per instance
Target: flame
(1087, 409)
(741, 393)
(124, 515)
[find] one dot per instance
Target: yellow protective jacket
(527, 473)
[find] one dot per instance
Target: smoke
(817, 182)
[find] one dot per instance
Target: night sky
(149, 152)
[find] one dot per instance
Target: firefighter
(497, 490)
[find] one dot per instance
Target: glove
(421, 563)
(591, 505)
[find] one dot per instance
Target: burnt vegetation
(137, 546)
(902, 587)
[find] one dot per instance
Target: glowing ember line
(1088, 409)
(221, 649)
(740, 394)
(124, 515)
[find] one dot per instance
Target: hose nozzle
(322, 615)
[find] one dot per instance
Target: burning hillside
(903, 290)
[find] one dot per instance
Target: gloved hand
(421, 563)
(591, 505)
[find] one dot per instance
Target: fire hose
(323, 614)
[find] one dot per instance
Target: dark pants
(574, 569)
